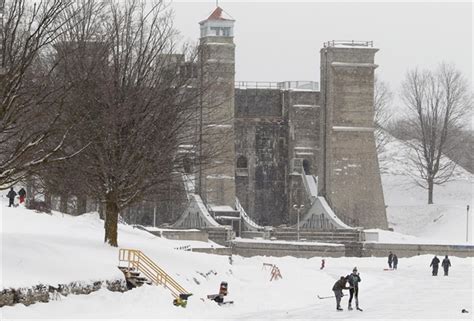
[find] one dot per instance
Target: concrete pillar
(216, 183)
(350, 177)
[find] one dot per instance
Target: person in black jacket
(390, 259)
(435, 264)
(337, 288)
(11, 197)
(446, 264)
(395, 261)
(354, 279)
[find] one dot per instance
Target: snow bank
(408, 212)
(50, 249)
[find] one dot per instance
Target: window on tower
(221, 31)
(215, 30)
(226, 31)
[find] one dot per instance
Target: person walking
(395, 261)
(390, 259)
(22, 194)
(11, 197)
(435, 264)
(337, 288)
(446, 265)
(354, 279)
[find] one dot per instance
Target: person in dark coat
(337, 288)
(11, 197)
(435, 264)
(390, 259)
(22, 194)
(354, 279)
(446, 264)
(395, 261)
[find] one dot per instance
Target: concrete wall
(273, 127)
(408, 250)
(261, 132)
(248, 249)
(303, 112)
(355, 249)
(350, 176)
(201, 236)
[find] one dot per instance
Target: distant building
(293, 144)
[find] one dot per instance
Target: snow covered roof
(218, 14)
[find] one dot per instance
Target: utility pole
(467, 224)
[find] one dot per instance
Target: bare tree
(138, 97)
(383, 98)
(30, 99)
(437, 102)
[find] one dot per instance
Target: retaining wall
(354, 249)
(248, 249)
(408, 250)
(45, 293)
(187, 235)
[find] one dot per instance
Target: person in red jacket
(22, 194)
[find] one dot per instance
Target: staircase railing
(251, 224)
(142, 263)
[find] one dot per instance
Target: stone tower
(216, 183)
(349, 175)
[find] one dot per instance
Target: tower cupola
(218, 24)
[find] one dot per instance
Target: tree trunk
(81, 205)
(111, 220)
(430, 191)
(30, 195)
(48, 199)
(63, 203)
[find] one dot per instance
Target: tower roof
(218, 15)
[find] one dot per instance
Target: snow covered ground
(51, 249)
(40, 248)
(443, 222)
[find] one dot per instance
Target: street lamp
(467, 224)
(298, 209)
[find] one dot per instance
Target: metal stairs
(140, 269)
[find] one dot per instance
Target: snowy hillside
(407, 208)
(52, 249)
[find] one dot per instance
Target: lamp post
(298, 209)
(467, 224)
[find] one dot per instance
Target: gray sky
(277, 41)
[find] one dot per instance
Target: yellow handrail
(136, 259)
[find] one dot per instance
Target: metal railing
(282, 85)
(354, 43)
(247, 218)
(137, 260)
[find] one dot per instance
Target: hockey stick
(326, 297)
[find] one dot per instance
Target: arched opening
(242, 162)
(306, 167)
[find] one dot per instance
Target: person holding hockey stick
(337, 288)
(354, 279)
